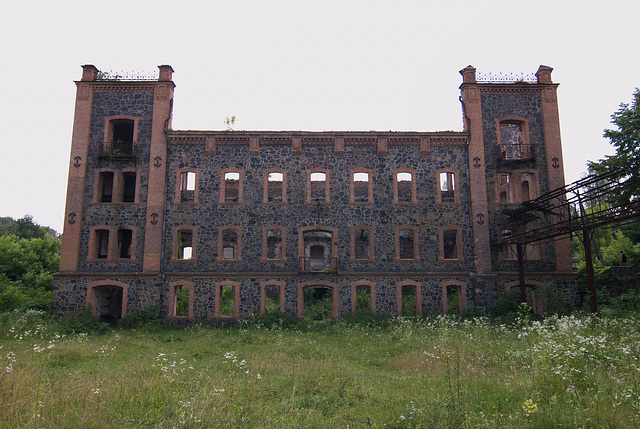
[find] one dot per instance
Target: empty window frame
(504, 188)
(362, 243)
(102, 243)
(185, 247)
(231, 187)
(181, 299)
(404, 186)
(121, 139)
(105, 186)
(125, 241)
(229, 243)
(227, 299)
(275, 187)
(513, 138)
(447, 187)
(450, 244)
(187, 192)
(317, 186)
(407, 243)
(273, 244)
(129, 187)
(361, 187)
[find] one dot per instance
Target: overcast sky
(301, 65)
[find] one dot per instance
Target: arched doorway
(107, 300)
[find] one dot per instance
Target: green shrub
(507, 305)
(139, 317)
(84, 323)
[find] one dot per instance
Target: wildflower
(529, 407)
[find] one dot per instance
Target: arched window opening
(185, 244)
(406, 242)
(109, 303)
(408, 300)
(450, 244)
(318, 303)
(274, 244)
(106, 186)
(453, 299)
(360, 187)
(229, 244)
(404, 182)
(364, 301)
(317, 251)
(102, 242)
(447, 187)
(125, 238)
(232, 187)
(318, 186)
(275, 187)
(227, 300)
(272, 298)
(181, 300)
(187, 186)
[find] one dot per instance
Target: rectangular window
(447, 187)
(124, 243)
(275, 187)
(229, 244)
(404, 186)
(504, 188)
(231, 187)
(450, 244)
(106, 186)
(187, 186)
(318, 187)
(185, 244)
(102, 242)
(181, 300)
(274, 244)
(362, 244)
(128, 187)
(360, 182)
(406, 243)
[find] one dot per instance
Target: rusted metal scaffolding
(595, 201)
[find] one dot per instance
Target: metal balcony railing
(514, 152)
(117, 150)
(318, 265)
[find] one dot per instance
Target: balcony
(318, 265)
(515, 152)
(117, 150)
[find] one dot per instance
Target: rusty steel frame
(583, 205)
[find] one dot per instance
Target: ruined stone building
(154, 214)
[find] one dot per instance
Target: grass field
(440, 371)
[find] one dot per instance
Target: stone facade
(153, 212)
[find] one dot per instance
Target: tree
(29, 255)
(626, 140)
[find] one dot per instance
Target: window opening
(274, 244)
(404, 182)
(363, 299)
(185, 244)
(406, 241)
(453, 299)
(318, 186)
(317, 251)
(181, 300)
(124, 243)
(123, 131)
(187, 186)
(109, 303)
(360, 187)
(361, 244)
(229, 244)
(227, 301)
(232, 187)
(408, 300)
(102, 239)
(318, 303)
(447, 187)
(511, 141)
(504, 185)
(106, 187)
(450, 243)
(272, 298)
(275, 187)
(128, 187)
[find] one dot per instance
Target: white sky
(300, 65)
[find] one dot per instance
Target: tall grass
(440, 371)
